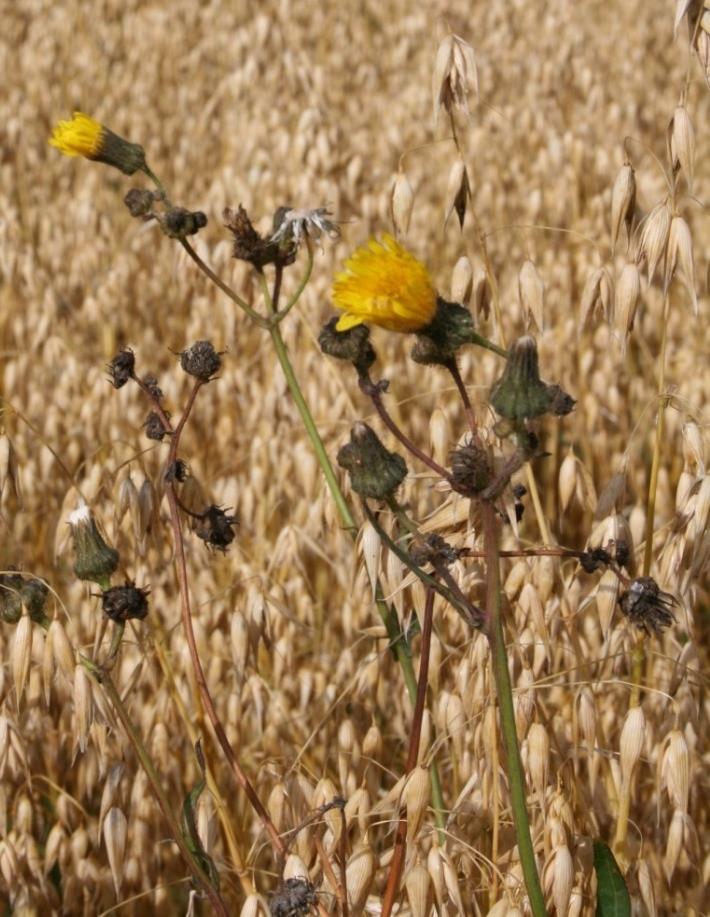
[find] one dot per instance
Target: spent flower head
(95, 560)
(294, 225)
(374, 471)
(646, 606)
(384, 284)
(87, 137)
(121, 603)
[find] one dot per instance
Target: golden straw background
(312, 104)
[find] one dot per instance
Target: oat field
(210, 691)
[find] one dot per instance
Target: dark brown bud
(352, 345)
(215, 528)
(121, 603)
(293, 897)
(154, 426)
(646, 606)
(178, 222)
(201, 360)
(140, 202)
(471, 469)
(122, 368)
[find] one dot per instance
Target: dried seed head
(293, 898)
(628, 290)
(216, 528)
(531, 290)
(693, 447)
(201, 360)
(140, 201)
(83, 706)
(646, 887)
(681, 144)
(653, 238)
(62, 650)
(623, 202)
(562, 879)
(401, 203)
(471, 468)
(122, 603)
(680, 256)
(455, 75)
(178, 222)
(646, 606)
(371, 552)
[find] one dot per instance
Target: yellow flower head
(84, 136)
(384, 284)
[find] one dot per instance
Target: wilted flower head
(201, 360)
(384, 284)
(374, 471)
(84, 136)
(215, 528)
(122, 367)
(294, 897)
(295, 224)
(646, 606)
(95, 560)
(120, 603)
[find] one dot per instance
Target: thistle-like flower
(87, 137)
(646, 606)
(384, 284)
(95, 560)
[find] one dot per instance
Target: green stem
(282, 313)
(202, 879)
(480, 341)
(387, 615)
(225, 288)
(504, 690)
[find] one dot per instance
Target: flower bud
(374, 471)
(178, 222)
(121, 603)
(353, 345)
(201, 360)
(95, 560)
(520, 393)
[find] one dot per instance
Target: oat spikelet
(631, 742)
(680, 257)
(418, 884)
(462, 280)
(628, 290)
(21, 654)
(359, 874)
(531, 289)
(676, 770)
(623, 202)
(598, 293)
(653, 238)
(681, 144)
(401, 203)
(115, 833)
(455, 75)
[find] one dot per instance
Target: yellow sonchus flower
(383, 284)
(84, 136)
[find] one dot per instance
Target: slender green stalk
(504, 690)
(202, 879)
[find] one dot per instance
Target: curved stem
(496, 639)
(375, 394)
(225, 288)
(202, 879)
(281, 314)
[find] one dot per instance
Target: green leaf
(189, 825)
(612, 895)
